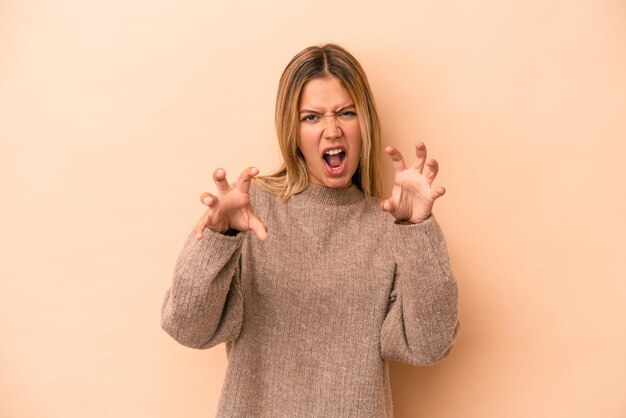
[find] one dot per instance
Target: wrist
(412, 220)
(222, 229)
(227, 231)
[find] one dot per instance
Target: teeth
(333, 151)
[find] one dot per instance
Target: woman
(330, 282)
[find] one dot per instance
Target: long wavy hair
(317, 62)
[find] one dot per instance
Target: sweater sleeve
(421, 323)
(204, 305)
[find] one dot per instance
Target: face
(329, 135)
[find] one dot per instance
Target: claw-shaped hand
(412, 197)
(231, 209)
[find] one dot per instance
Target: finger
(258, 227)
(199, 228)
(243, 185)
(208, 199)
(437, 193)
(388, 205)
(432, 168)
(219, 176)
(420, 154)
(396, 158)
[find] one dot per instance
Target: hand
(412, 197)
(231, 209)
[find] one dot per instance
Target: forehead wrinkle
(318, 109)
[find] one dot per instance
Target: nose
(331, 129)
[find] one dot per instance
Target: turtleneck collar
(321, 195)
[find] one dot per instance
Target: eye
(347, 114)
(309, 118)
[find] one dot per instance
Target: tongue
(333, 160)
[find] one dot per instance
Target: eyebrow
(317, 111)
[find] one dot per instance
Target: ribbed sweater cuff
(423, 239)
(409, 231)
(200, 258)
(212, 236)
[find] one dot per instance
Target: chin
(339, 184)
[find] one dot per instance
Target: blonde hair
(318, 62)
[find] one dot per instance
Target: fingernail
(206, 200)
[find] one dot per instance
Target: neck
(322, 195)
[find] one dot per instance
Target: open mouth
(335, 159)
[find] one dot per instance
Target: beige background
(114, 114)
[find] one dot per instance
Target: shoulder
(260, 197)
(371, 205)
(372, 217)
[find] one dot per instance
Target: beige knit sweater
(310, 315)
